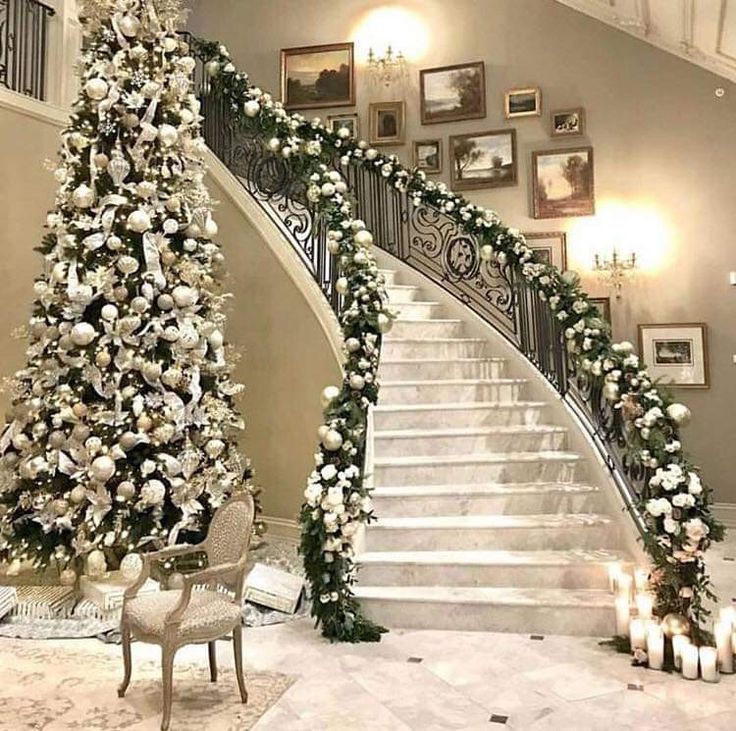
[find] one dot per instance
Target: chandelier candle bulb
(709, 664)
(623, 616)
(724, 644)
(689, 661)
(644, 606)
(655, 646)
(638, 634)
(678, 643)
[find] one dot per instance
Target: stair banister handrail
(544, 312)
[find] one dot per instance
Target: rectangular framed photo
(676, 353)
(451, 93)
(483, 159)
(428, 155)
(550, 247)
(523, 102)
(347, 121)
(567, 122)
(562, 183)
(604, 307)
(318, 76)
(387, 121)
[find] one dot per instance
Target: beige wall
(660, 135)
(288, 358)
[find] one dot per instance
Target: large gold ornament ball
(68, 577)
(329, 394)
(96, 564)
(675, 624)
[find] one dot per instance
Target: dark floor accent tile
(497, 718)
(634, 686)
(415, 659)
(536, 637)
(729, 558)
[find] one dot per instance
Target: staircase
(486, 518)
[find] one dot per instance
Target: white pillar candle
(644, 605)
(709, 664)
(623, 585)
(641, 579)
(722, 633)
(678, 642)
(614, 572)
(689, 660)
(623, 615)
(638, 634)
(655, 646)
(727, 615)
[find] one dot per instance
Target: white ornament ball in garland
(679, 413)
(352, 345)
(486, 252)
(83, 334)
(103, 359)
(341, 285)
(322, 431)
(128, 440)
(152, 371)
(216, 340)
(131, 566)
(96, 564)
(109, 312)
(611, 391)
(139, 221)
(83, 196)
(210, 228)
(332, 440)
(96, 89)
(329, 394)
(359, 257)
(357, 382)
(214, 448)
(168, 134)
(251, 108)
(125, 490)
(165, 302)
(185, 296)
(68, 577)
(385, 323)
(129, 26)
(363, 238)
(128, 265)
(102, 468)
(78, 494)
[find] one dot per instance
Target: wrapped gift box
(8, 599)
(273, 588)
(107, 592)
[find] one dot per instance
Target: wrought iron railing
(24, 35)
(434, 244)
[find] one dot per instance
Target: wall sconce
(387, 68)
(615, 270)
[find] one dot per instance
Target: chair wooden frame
(231, 575)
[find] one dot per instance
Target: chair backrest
(230, 530)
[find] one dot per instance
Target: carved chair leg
(212, 651)
(238, 652)
(167, 668)
(125, 633)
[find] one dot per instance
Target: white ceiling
(700, 31)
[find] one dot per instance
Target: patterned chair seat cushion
(209, 613)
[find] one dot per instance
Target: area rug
(57, 687)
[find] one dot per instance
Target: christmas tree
(122, 429)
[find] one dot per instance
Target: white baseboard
(283, 528)
(726, 513)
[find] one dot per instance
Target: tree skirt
(55, 687)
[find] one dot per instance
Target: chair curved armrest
(211, 573)
(133, 589)
(181, 549)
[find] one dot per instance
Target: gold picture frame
(315, 77)
(563, 182)
(387, 123)
(471, 153)
(350, 121)
(550, 247)
(427, 155)
(525, 102)
(452, 93)
(567, 122)
(676, 352)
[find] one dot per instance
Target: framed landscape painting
(428, 155)
(318, 76)
(550, 247)
(523, 103)
(604, 307)
(387, 123)
(483, 159)
(451, 93)
(562, 183)
(348, 121)
(676, 353)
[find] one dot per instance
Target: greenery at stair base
(674, 504)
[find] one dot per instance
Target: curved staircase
(488, 521)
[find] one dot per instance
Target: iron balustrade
(434, 244)
(24, 34)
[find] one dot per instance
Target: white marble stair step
(452, 391)
(428, 368)
(418, 310)
(508, 532)
(405, 327)
(389, 276)
(492, 609)
(395, 443)
(476, 468)
(394, 347)
(451, 415)
(398, 294)
(567, 569)
(514, 499)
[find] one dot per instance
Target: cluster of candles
(646, 633)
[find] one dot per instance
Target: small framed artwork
(562, 183)
(483, 159)
(428, 155)
(676, 353)
(318, 76)
(523, 102)
(348, 121)
(550, 247)
(386, 123)
(568, 122)
(451, 93)
(604, 307)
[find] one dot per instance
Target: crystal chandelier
(615, 270)
(387, 68)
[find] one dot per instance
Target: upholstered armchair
(175, 618)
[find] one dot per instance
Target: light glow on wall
(626, 227)
(390, 25)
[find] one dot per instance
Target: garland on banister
(675, 504)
